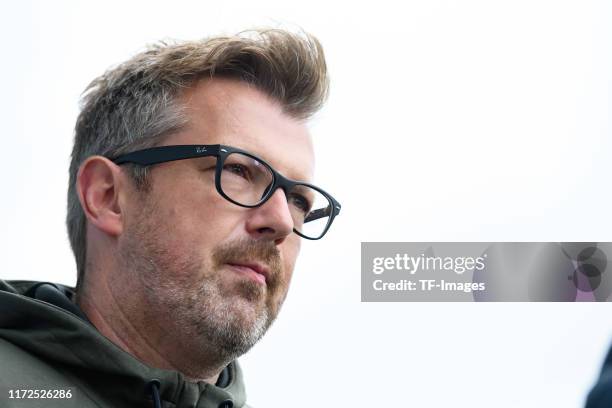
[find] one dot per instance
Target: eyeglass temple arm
(162, 154)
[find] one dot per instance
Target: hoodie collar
(56, 334)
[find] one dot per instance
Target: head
(161, 238)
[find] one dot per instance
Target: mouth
(252, 270)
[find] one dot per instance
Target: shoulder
(20, 367)
(23, 373)
(15, 359)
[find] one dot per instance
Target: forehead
(225, 111)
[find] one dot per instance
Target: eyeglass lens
(246, 181)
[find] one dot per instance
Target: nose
(272, 220)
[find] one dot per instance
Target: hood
(40, 318)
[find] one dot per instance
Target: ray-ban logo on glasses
(200, 149)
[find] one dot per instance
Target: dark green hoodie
(46, 344)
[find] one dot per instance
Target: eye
(300, 202)
(238, 170)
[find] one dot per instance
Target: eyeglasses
(248, 181)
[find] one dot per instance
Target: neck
(130, 328)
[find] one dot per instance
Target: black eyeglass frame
(163, 154)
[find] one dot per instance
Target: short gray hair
(135, 104)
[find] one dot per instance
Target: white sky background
(448, 120)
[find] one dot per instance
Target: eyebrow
(290, 174)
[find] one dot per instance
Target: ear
(99, 182)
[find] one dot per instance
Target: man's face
(214, 272)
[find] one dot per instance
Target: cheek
(195, 213)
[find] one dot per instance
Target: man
(189, 195)
(600, 396)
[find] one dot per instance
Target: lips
(256, 270)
